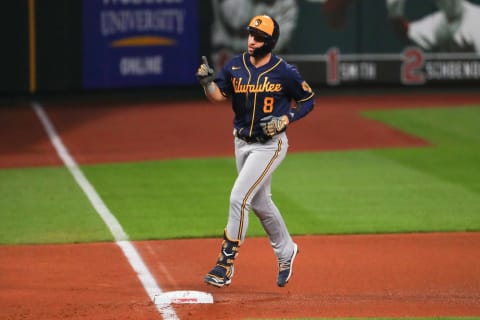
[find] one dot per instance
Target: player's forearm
(302, 109)
(213, 93)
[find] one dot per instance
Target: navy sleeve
(301, 93)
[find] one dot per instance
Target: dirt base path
(413, 275)
(335, 276)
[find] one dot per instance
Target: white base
(187, 296)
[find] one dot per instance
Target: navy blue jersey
(264, 91)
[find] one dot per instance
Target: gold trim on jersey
(259, 180)
(249, 75)
(255, 94)
(307, 98)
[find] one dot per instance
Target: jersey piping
(248, 82)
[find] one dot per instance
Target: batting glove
(205, 74)
(272, 125)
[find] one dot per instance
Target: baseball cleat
(219, 276)
(285, 269)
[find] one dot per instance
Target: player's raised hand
(205, 74)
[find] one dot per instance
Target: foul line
(121, 238)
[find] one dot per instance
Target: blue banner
(133, 43)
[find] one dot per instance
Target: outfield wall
(84, 45)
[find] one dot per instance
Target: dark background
(58, 27)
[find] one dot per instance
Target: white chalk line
(121, 238)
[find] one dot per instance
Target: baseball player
(453, 28)
(262, 87)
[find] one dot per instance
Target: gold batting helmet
(267, 28)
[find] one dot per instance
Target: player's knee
(238, 202)
(235, 200)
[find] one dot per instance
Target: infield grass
(435, 188)
(45, 205)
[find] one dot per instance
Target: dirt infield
(335, 276)
(409, 275)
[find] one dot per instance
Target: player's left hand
(272, 125)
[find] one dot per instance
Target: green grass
(45, 205)
(167, 199)
(434, 188)
(391, 190)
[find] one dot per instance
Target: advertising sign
(405, 42)
(133, 43)
(342, 42)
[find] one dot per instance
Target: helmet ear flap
(272, 40)
(276, 33)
